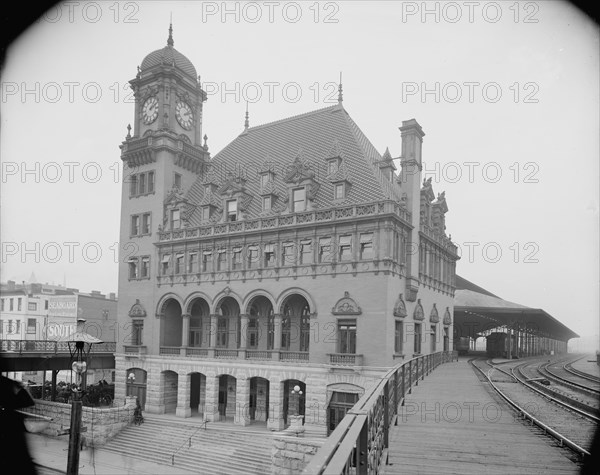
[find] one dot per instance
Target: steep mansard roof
(313, 136)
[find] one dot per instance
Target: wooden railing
(50, 346)
(360, 442)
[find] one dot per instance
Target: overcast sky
(507, 94)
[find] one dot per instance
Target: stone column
(277, 328)
(155, 400)
(315, 414)
(185, 333)
(243, 322)
(211, 404)
(213, 337)
(242, 401)
(184, 383)
(275, 421)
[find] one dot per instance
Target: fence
(359, 444)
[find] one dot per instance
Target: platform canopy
(478, 312)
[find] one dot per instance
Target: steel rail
(568, 382)
(547, 429)
(581, 374)
(581, 412)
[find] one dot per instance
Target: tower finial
(170, 41)
(340, 95)
(247, 121)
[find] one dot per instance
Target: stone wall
(291, 454)
(102, 423)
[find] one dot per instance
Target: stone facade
(102, 423)
(291, 455)
(294, 258)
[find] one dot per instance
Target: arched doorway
(259, 399)
(341, 397)
(295, 324)
(228, 323)
(294, 404)
(136, 384)
(197, 393)
(169, 380)
(260, 324)
(171, 324)
(227, 397)
(199, 335)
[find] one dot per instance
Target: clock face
(184, 115)
(150, 110)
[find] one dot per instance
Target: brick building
(297, 256)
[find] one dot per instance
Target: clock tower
(161, 160)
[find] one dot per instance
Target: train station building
(282, 276)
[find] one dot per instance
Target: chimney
(112, 296)
(410, 183)
(11, 285)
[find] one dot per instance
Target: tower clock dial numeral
(184, 115)
(150, 110)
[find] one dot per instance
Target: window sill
(142, 194)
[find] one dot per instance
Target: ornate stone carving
(419, 314)
(137, 310)
(400, 307)
(346, 306)
(447, 317)
(433, 316)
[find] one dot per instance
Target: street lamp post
(130, 381)
(296, 392)
(77, 348)
(296, 418)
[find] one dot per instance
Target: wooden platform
(453, 424)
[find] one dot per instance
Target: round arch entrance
(295, 324)
(136, 384)
(294, 404)
(259, 399)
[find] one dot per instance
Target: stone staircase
(220, 449)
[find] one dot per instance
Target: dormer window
(175, 219)
(332, 166)
(298, 200)
(266, 203)
(177, 181)
(339, 191)
(265, 178)
(205, 213)
(231, 207)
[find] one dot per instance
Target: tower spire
(340, 95)
(170, 41)
(247, 121)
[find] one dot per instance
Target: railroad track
(570, 425)
(586, 376)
